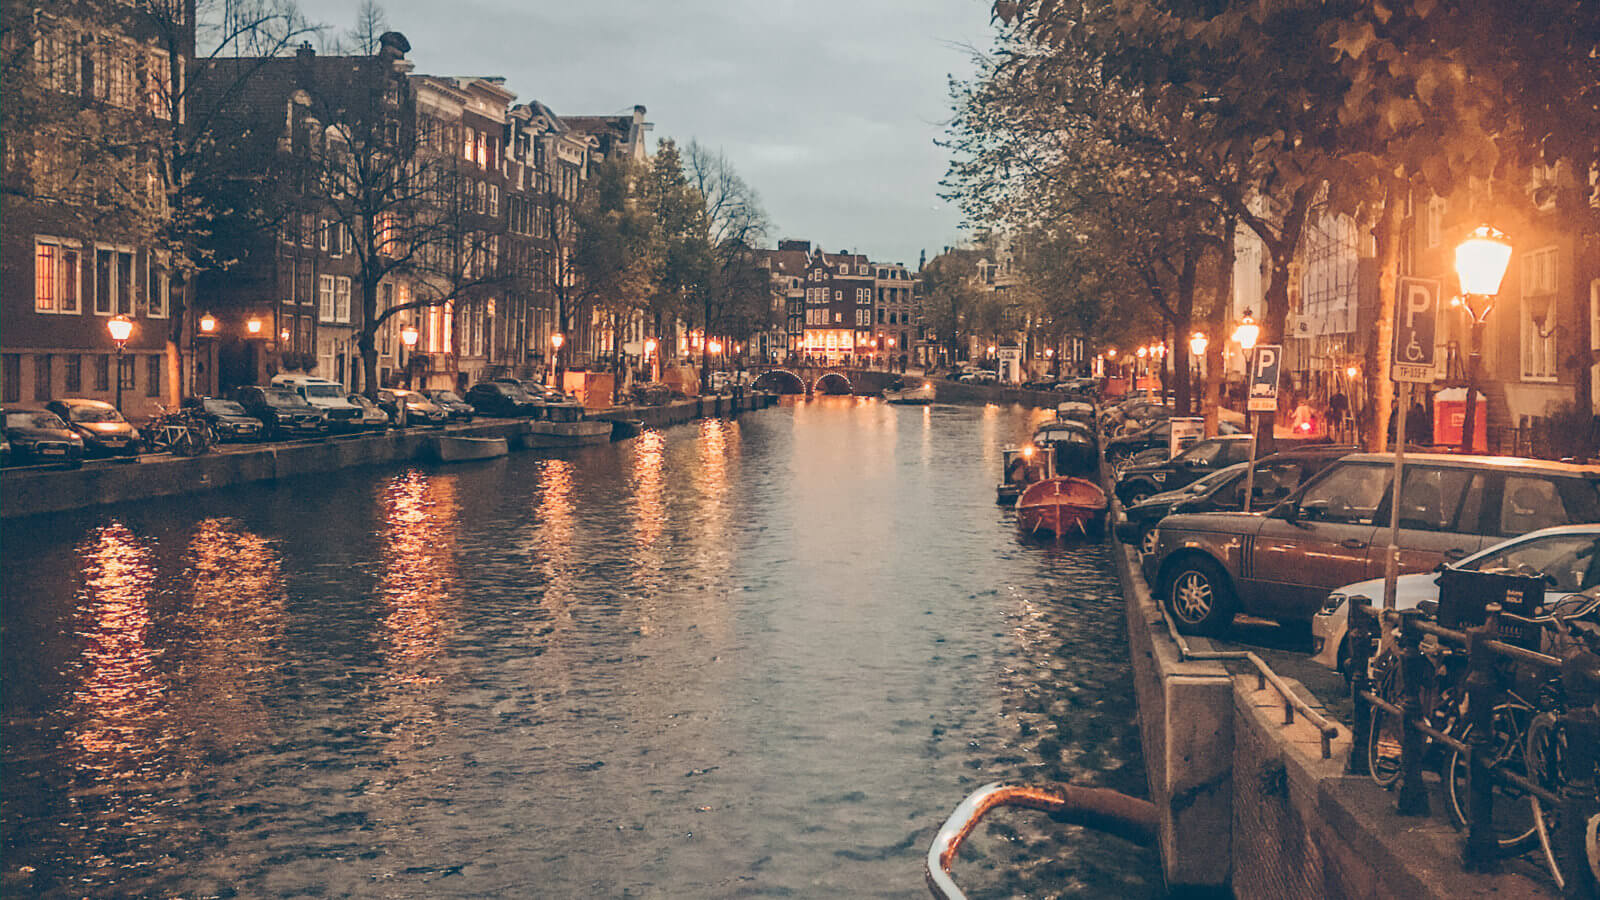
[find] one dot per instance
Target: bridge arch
(780, 381)
(832, 383)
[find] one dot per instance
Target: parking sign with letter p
(1416, 315)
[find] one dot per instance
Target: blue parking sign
(1264, 368)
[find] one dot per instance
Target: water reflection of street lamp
(1481, 262)
(121, 328)
(408, 341)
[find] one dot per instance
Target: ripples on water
(763, 657)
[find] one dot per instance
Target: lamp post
(556, 340)
(650, 357)
(1481, 262)
(408, 342)
(121, 328)
(205, 327)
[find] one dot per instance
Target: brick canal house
(893, 328)
(87, 109)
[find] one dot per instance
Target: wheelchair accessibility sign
(1416, 313)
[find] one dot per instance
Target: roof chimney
(305, 51)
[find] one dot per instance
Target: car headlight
(1332, 604)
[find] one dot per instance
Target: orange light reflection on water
(419, 576)
(119, 708)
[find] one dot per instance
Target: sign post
(1416, 315)
(1265, 364)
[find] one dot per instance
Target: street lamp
(253, 326)
(1481, 262)
(556, 340)
(408, 341)
(208, 324)
(1197, 344)
(1247, 332)
(121, 328)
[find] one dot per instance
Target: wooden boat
(1020, 467)
(1062, 506)
(459, 448)
(556, 435)
(909, 391)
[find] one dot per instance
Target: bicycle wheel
(1383, 741)
(1547, 767)
(1515, 824)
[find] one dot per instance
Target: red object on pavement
(1449, 412)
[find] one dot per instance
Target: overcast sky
(829, 108)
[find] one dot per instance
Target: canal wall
(1247, 804)
(27, 492)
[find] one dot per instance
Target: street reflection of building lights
(1481, 262)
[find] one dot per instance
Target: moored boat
(622, 429)
(460, 448)
(909, 390)
(1020, 467)
(1074, 445)
(1062, 506)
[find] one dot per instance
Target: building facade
(85, 239)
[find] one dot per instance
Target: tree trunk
(364, 341)
(1221, 310)
(1380, 340)
(1281, 251)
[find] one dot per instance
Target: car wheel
(1149, 539)
(1137, 496)
(1197, 593)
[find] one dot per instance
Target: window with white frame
(1539, 315)
(838, 295)
(341, 299)
(159, 286)
(57, 275)
(325, 297)
(113, 281)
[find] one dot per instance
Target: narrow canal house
(87, 112)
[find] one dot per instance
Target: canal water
(761, 657)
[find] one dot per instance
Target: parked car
(494, 398)
(455, 407)
(39, 436)
(981, 376)
(1136, 482)
(329, 397)
(104, 431)
(1567, 556)
(1331, 531)
(283, 413)
(1159, 434)
(1277, 476)
(372, 418)
(419, 409)
(227, 418)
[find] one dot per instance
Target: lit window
(1539, 315)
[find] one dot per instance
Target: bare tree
(733, 224)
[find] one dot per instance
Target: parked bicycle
(180, 432)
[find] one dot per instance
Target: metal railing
(1099, 808)
(1572, 852)
(1327, 731)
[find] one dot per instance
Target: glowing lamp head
(650, 345)
(557, 339)
(253, 326)
(1198, 343)
(714, 346)
(1481, 261)
(1142, 352)
(408, 335)
(208, 324)
(1028, 452)
(1049, 352)
(891, 343)
(1247, 332)
(283, 335)
(121, 329)
(991, 349)
(1352, 371)
(1111, 353)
